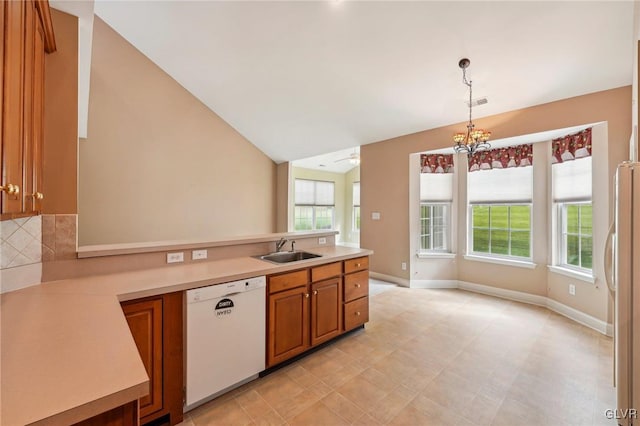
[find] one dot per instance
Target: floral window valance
(571, 147)
(436, 163)
(502, 158)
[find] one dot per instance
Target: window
(434, 227)
(502, 229)
(576, 241)
(436, 194)
(571, 184)
(356, 207)
(314, 205)
(500, 212)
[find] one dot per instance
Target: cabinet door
(12, 111)
(288, 327)
(145, 322)
(326, 312)
(27, 108)
(34, 126)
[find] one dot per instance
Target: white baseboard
(389, 278)
(519, 296)
(434, 284)
(580, 317)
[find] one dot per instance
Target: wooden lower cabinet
(326, 312)
(306, 307)
(156, 326)
(124, 415)
(145, 321)
(288, 325)
(356, 292)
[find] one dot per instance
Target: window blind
(512, 185)
(356, 193)
(571, 180)
(311, 192)
(436, 186)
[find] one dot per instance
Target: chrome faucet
(293, 246)
(280, 244)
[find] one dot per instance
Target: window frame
(314, 207)
(488, 255)
(355, 218)
(446, 226)
(562, 234)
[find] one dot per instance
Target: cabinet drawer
(356, 285)
(357, 264)
(323, 272)
(287, 281)
(356, 313)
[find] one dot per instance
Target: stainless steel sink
(288, 256)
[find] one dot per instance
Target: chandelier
(473, 140)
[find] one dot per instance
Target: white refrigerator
(626, 285)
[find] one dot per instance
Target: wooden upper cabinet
(27, 34)
(12, 111)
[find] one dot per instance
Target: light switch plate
(198, 254)
(175, 257)
(375, 215)
(322, 240)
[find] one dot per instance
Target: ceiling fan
(354, 158)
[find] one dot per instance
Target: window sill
(435, 255)
(500, 261)
(572, 274)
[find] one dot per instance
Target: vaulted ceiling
(299, 79)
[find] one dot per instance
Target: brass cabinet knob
(315, 292)
(10, 189)
(357, 285)
(306, 295)
(357, 265)
(358, 313)
(37, 195)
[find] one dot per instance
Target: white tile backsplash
(21, 241)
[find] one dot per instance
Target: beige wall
(385, 174)
(158, 164)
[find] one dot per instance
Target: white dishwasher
(225, 337)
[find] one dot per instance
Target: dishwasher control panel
(225, 289)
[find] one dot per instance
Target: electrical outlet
(322, 240)
(198, 254)
(572, 289)
(404, 266)
(375, 216)
(175, 257)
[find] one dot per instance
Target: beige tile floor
(436, 357)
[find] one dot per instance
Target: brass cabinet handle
(306, 295)
(315, 292)
(38, 195)
(358, 313)
(11, 189)
(357, 265)
(357, 285)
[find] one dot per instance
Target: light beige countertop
(66, 349)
